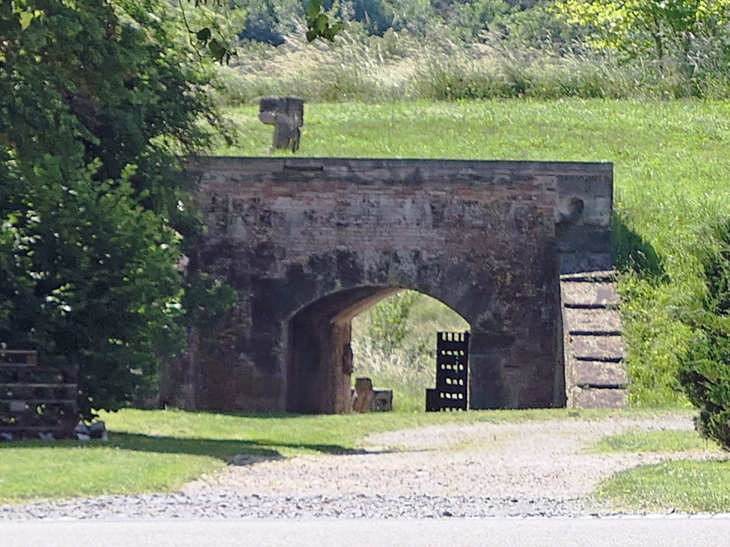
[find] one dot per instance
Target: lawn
(671, 163)
(685, 485)
(691, 486)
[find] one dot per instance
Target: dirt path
(533, 459)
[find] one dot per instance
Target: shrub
(705, 368)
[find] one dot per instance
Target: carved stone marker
(363, 395)
(286, 114)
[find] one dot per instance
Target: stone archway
(307, 242)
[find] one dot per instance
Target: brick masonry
(310, 243)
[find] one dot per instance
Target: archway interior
(321, 354)
(394, 344)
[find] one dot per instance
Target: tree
(96, 109)
(389, 321)
(217, 22)
(637, 26)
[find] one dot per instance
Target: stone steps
(595, 376)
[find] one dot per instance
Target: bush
(705, 369)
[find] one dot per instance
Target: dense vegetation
(705, 368)
(96, 105)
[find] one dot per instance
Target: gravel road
(472, 471)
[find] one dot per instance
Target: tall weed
(399, 66)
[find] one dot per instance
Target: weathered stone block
(600, 398)
(286, 114)
(584, 262)
(598, 348)
(382, 400)
(589, 294)
(363, 398)
(592, 321)
(598, 374)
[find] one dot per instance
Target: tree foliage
(705, 369)
(389, 320)
(637, 26)
(214, 25)
(96, 105)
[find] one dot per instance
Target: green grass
(671, 161)
(690, 486)
(225, 435)
(652, 441)
(67, 471)
(161, 450)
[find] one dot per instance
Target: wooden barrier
(36, 400)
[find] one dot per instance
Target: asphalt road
(582, 532)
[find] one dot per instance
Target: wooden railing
(36, 401)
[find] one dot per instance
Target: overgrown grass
(402, 67)
(652, 441)
(671, 164)
(692, 486)
(160, 450)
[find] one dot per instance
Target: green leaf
(311, 35)
(320, 24)
(315, 6)
(26, 17)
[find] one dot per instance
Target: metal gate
(452, 373)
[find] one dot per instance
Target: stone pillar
(286, 114)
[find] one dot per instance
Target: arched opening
(322, 355)
(394, 344)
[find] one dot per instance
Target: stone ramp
(595, 376)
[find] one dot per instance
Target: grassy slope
(64, 471)
(671, 170)
(690, 486)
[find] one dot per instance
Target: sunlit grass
(653, 441)
(692, 486)
(68, 471)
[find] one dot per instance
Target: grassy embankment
(652, 441)
(671, 170)
(161, 450)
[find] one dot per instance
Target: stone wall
(310, 243)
